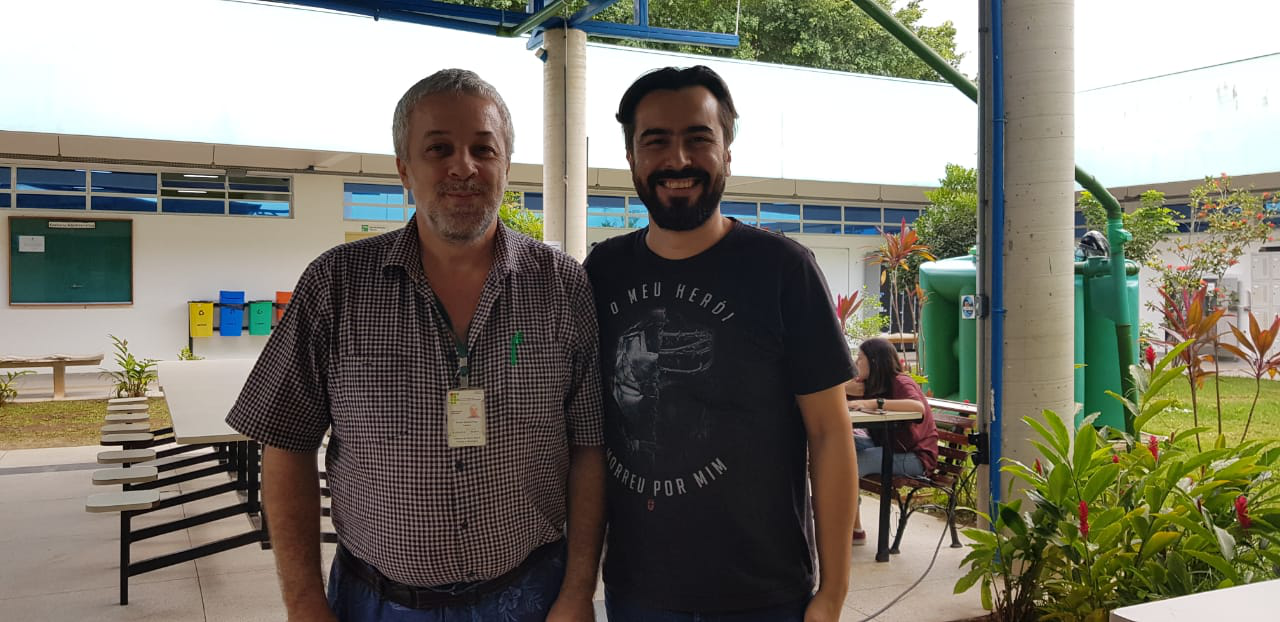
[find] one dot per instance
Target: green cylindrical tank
(948, 331)
(1099, 336)
(948, 327)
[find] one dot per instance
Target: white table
(200, 394)
(1256, 601)
(885, 421)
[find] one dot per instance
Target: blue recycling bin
(230, 313)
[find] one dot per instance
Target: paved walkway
(61, 563)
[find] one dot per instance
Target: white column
(564, 141)
(1039, 218)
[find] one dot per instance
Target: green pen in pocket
(516, 340)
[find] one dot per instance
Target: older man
(458, 373)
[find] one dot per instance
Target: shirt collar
(406, 251)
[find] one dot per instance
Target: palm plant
(1254, 349)
(135, 374)
(7, 390)
(895, 256)
(1190, 318)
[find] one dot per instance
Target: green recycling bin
(260, 312)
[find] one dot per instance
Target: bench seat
(121, 501)
(132, 475)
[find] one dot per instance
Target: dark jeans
(621, 609)
(528, 599)
(869, 454)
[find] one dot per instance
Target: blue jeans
(869, 455)
(528, 599)
(621, 609)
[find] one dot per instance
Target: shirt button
(463, 526)
(458, 465)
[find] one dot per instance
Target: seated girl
(881, 384)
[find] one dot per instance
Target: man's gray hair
(452, 82)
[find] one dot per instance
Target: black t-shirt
(701, 360)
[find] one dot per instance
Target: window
(897, 216)
(746, 212)
(533, 201)
(49, 188)
(6, 184)
(829, 213)
(368, 201)
(606, 211)
(234, 195)
(862, 214)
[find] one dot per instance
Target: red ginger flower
(1151, 356)
(1242, 511)
(1039, 469)
(1154, 446)
(1084, 519)
(1115, 459)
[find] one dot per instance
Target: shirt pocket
(375, 399)
(533, 390)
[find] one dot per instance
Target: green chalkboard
(70, 261)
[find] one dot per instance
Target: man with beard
(459, 378)
(749, 355)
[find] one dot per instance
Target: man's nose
(462, 165)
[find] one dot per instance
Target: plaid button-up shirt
(364, 349)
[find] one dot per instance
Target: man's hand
(572, 609)
(825, 607)
(312, 612)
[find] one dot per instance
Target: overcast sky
(1122, 40)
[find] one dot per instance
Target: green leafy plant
(186, 354)
(1254, 349)
(7, 390)
(1150, 224)
(135, 374)
(866, 320)
(1117, 520)
(518, 218)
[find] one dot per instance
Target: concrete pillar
(1039, 218)
(564, 140)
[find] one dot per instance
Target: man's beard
(681, 215)
(462, 223)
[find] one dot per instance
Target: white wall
(177, 258)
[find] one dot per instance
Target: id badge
(465, 416)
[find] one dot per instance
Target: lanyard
(464, 367)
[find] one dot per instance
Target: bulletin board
(70, 261)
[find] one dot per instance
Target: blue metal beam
(377, 12)
(455, 11)
(591, 10)
(540, 17)
(636, 32)
(641, 12)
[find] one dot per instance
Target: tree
(1150, 224)
(825, 34)
(949, 225)
(1228, 221)
(517, 218)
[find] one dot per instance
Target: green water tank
(948, 334)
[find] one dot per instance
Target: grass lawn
(63, 423)
(1237, 394)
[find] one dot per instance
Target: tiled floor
(61, 563)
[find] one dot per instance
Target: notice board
(71, 261)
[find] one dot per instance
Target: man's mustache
(697, 174)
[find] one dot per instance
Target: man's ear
(403, 170)
(728, 159)
(631, 160)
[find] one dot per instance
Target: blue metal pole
(996, 252)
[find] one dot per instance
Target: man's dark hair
(673, 79)
(883, 366)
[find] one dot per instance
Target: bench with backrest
(954, 421)
(58, 362)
